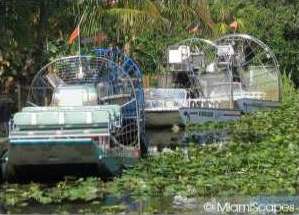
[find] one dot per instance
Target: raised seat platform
(73, 115)
(114, 110)
(62, 119)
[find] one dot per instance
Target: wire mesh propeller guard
(132, 69)
(125, 62)
(254, 67)
(113, 86)
(188, 59)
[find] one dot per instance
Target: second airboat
(214, 81)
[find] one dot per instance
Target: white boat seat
(114, 110)
(62, 119)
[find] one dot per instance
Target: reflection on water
(162, 139)
(171, 138)
(165, 138)
(172, 205)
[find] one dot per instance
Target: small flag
(74, 35)
(234, 26)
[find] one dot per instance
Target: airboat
(243, 77)
(191, 93)
(81, 110)
(215, 81)
(255, 70)
(180, 86)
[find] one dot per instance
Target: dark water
(161, 139)
(165, 138)
(109, 205)
(170, 205)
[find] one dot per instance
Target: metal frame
(199, 45)
(133, 70)
(113, 70)
(266, 50)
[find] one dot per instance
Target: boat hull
(38, 153)
(202, 115)
(53, 151)
(247, 105)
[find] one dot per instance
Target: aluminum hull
(247, 105)
(202, 115)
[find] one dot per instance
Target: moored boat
(84, 111)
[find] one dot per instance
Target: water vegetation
(261, 158)
(88, 189)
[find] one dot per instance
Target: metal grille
(132, 69)
(254, 66)
(112, 86)
(191, 57)
(217, 74)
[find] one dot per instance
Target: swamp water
(78, 196)
(100, 202)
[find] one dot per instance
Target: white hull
(202, 115)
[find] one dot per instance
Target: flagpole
(79, 44)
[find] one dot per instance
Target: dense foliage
(34, 32)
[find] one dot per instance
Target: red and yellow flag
(74, 35)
